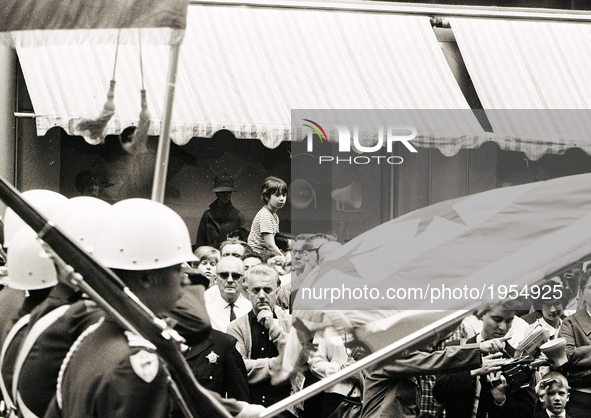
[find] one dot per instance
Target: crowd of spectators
(440, 379)
(243, 283)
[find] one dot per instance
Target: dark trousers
(314, 404)
(330, 402)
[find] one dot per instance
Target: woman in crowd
(549, 312)
(209, 258)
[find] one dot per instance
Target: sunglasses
(225, 275)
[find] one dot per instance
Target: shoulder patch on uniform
(138, 341)
(145, 365)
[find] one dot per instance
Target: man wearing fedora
(222, 220)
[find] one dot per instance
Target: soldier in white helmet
(31, 272)
(57, 322)
(110, 372)
(65, 314)
(12, 300)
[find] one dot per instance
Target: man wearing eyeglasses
(261, 337)
(304, 258)
(297, 257)
(227, 303)
(311, 248)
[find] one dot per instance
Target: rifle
(109, 292)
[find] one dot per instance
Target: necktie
(232, 313)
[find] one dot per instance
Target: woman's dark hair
(271, 186)
(282, 241)
(254, 254)
(266, 255)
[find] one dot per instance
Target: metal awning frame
(412, 9)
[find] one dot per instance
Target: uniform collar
(198, 348)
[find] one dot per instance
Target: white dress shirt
(219, 310)
(561, 415)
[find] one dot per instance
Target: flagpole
(159, 183)
(426, 333)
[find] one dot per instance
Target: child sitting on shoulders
(265, 224)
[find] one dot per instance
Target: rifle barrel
(113, 292)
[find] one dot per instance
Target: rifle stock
(112, 294)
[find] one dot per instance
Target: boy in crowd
(553, 391)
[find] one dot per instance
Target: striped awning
(244, 68)
(533, 81)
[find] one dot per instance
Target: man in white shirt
(227, 303)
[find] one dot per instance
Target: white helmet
(45, 201)
(79, 217)
(29, 267)
(141, 234)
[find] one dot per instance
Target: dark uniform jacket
(218, 223)
(391, 390)
(114, 374)
(11, 302)
(10, 347)
(219, 367)
(39, 372)
(457, 391)
(30, 303)
(190, 316)
(110, 376)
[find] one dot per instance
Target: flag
(479, 249)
